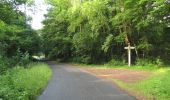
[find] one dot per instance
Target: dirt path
(127, 76)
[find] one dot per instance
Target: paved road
(70, 83)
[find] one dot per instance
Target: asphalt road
(68, 83)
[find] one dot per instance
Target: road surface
(69, 83)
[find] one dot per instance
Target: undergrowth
(21, 83)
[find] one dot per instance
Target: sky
(38, 14)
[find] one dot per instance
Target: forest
(96, 31)
(88, 31)
(79, 31)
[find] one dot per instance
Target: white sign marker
(129, 53)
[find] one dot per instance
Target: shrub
(159, 61)
(115, 62)
(144, 62)
(75, 59)
(24, 83)
(25, 59)
(86, 59)
(20, 58)
(3, 64)
(149, 62)
(82, 59)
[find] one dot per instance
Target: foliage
(24, 83)
(149, 62)
(3, 65)
(15, 33)
(108, 43)
(19, 59)
(115, 62)
(100, 29)
(18, 42)
(81, 59)
(56, 42)
(144, 62)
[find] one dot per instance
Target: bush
(159, 62)
(3, 65)
(86, 59)
(144, 62)
(115, 62)
(3, 60)
(3, 48)
(21, 59)
(24, 83)
(149, 62)
(25, 59)
(82, 59)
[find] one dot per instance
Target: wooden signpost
(129, 53)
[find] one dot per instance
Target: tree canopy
(98, 30)
(90, 31)
(18, 40)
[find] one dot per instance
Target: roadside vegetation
(21, 83)
(156, 87)
(20, 77)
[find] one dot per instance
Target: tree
(100, 29)
(16, 36)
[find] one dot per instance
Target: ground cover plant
(156, 87)
(21, 83)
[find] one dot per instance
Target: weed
(22, 83)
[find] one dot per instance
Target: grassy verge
(24, 83)
(156, 87)
(144, 68)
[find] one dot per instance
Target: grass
(133, 67)
(24, 83)
(156, 87)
